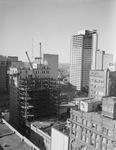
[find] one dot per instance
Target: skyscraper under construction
(32, 98)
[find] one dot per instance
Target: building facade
(112, 66)
(102, 83)
(31, 94)
(91, 131)
(52, 61)
(83, 55)
(4, 64)
(103, 60)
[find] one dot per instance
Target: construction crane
(31, 65)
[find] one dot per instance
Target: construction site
(37, 99)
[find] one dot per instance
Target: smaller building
(112, 66)
(103, 60)
(109, 107)
(90, 105)
(102, 83)
(60, 137)
(40, 134)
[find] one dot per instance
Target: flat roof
(46, 124)
(9, 140)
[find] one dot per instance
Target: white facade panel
(59, 140)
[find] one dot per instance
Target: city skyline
(53, 23)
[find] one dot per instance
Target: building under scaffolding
(31, 98)
(37, 99)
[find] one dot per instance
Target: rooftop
(46, 124)
(9, 140)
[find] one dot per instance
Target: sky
(52, 23)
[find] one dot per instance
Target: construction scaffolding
(37, 98)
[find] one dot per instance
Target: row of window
(94, 126)
(108, 108)
(93, 139)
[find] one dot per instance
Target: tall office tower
(82, 60)
(103, 60)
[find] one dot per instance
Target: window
(98, 137)
(97, 145)
(84, 122)
(104, 130)
(93, 126)
(83, 137)
(110, 109)
(104, 140)
(109, 143)
(93, 135)
(88, 123)
(2, 62)
(87, 139)
(98, 127)
(109, 132)
(92, 142)
(103, 148)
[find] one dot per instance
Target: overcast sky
(52, 22)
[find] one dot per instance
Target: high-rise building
(103, 60)
(83, 55)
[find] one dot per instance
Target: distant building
(13, 58)
(52, 61)
(83, 55)
(103, 60)
(102, 83)
(112, 66)
(4, 64)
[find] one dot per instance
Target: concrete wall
(59, 141)
(40, 138)
(99, 59)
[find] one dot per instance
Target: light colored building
(52, 61)
(107, 58)
(102, 83)
(112, 66)
(83, 55)
(103, 60)
(60, 137)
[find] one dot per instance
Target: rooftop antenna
(32, 57)
(40, 59)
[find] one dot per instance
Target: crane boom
(31, 65)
